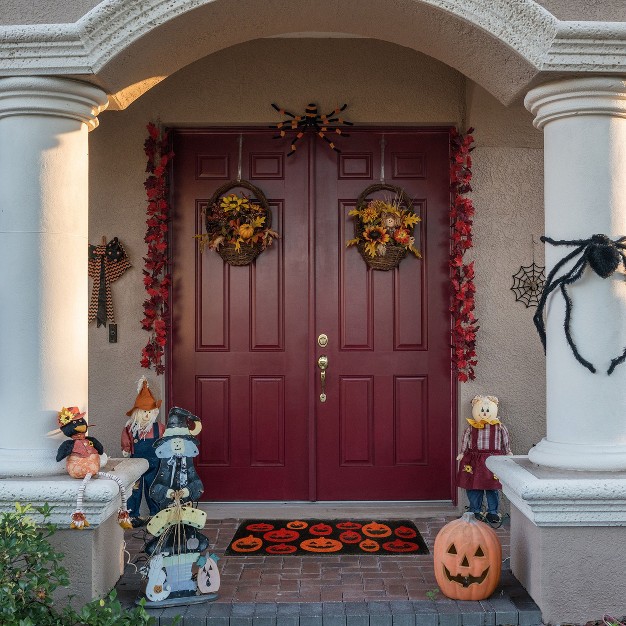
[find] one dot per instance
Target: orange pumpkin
(400, 546)
(349, 536)
(247, 544)
(321, 544)
(467, 559)
(374, 529)
(260, 528)
(404, 532)
(297, 525)
(349, 526)
(246, 231)
(280, 548)
(281, 535)
(369, 545)
(321, 529)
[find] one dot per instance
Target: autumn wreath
(383, 228)
(238, 226)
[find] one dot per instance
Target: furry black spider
(311, 121)
(603, 255)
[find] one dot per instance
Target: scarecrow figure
(83, 461)
(485, 436)
(176, 449)
(138, 437)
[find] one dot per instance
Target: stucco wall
(382, 83)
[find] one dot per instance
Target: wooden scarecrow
(484, 436)
(83, 461)
(107, 263)
(179, 572)
(138, 437)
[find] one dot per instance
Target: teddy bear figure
(484, 436)
(138, 437)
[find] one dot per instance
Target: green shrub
(30, 572)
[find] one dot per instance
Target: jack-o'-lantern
(467, 559)
(297, 525)
(247, 544)
(349, 526)
(321, 529)
(281, 535)
(321, 544)
(281, 548)
(400, 546)
(373, 529)
(349, 536)
(260, 528)
(404, 532)
(369, 545)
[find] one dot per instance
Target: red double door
(244, 344)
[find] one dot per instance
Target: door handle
(322, 363)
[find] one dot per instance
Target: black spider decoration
(311, 121)
(604, 256)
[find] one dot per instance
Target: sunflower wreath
(238, 226)
(383, 229)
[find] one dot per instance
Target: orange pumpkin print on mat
(400, 546)
(281, 535)
(321, 544)
(247, 544)
(373, 529)
(297, 525)
(281, 548)
(369, 545)
(260, 528)
(321, 529)
(349, 526)
(404, 532)
(349, 536)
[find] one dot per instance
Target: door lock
(322, 363)
(322, 340)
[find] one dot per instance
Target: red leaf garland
(156, 276)
(464, 323)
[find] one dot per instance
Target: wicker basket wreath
(383, 228)
(238, 226)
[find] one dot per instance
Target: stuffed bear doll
(484, 436)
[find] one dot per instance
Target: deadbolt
(322, 340)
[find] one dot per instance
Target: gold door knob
(322, 363)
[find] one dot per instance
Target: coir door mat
(314, 536)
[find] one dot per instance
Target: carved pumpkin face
(404, 532)
(349, 536)
(349, 526)
(297, 525)
(280, 548)
(400, 546)
(368, 545)
(281, 535)
(260, 528)
(247, 544)
(467, 559)
(321, 529)
(321, 544)
(374, 529)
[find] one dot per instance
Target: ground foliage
(31, 571)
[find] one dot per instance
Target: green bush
(30, 572)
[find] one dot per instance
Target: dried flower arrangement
(383, 229)
(238, 227)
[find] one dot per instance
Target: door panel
(244, 347)
(384, 432)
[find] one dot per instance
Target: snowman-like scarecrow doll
(179, 571)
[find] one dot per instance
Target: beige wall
(382, 83)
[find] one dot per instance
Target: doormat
(314, 536)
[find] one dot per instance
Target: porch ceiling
(128, 46)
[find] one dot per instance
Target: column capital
(52, 96)
(572, 97)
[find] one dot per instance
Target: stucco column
(44, 123)
(584, 124)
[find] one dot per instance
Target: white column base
(568, 537)
(579, 456)
(29, 462)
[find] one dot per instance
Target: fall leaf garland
(157, 278)
(464, 323)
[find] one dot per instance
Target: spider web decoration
(528, 284)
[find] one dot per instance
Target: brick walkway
(336, 590)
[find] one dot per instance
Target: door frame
(311, 285)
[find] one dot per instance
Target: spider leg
(616, 361)
(563, 242)
(282, 111)
(328, 141)
(343, 107)
(570, 278)
(549, 286)
(293, 143)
